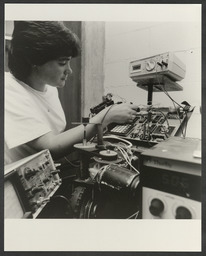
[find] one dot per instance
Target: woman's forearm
(62, 144)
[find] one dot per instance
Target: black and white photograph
(103, 127)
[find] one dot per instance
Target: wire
(165, 131)
(122, 149)
(117, 138)
(109, 108)
(164, 90)
(124, 153)
(173, 101)
(178, 116)
(69, 177)
(186, 122)
(134, 215)
(123, 99)
(70, 162)
(63, 197)
(127, 159)
(165, 117)
(99, 175)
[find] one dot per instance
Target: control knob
(37, 189)
(28, 172)
(55, 172)
(156, 207)
(183, 213)
(150, 65)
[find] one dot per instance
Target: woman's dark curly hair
(37, 42)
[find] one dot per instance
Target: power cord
(68, 161)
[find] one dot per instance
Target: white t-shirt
(29, 114)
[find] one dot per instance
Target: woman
(39, 62)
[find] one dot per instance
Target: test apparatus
(119, 175)
(29, 184)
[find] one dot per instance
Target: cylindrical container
(119, 178)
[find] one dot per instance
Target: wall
(9, 26)
(127, 41)
(93, 46)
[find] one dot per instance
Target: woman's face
(55, 72)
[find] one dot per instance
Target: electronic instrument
(107, 184)
(158, 73)
(162, 71)
(29, 184)
(152, 126)
(171, 180)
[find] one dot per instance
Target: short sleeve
(23, 122)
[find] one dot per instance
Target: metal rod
(150, 92)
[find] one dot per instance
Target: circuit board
(154, 126)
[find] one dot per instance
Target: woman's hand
(120, 113)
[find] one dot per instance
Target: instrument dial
(150, 65)
(183, 213)
(156, 207)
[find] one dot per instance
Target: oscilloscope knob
(183, 213)
(156, 207)
(37, 189)
(28, 173)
